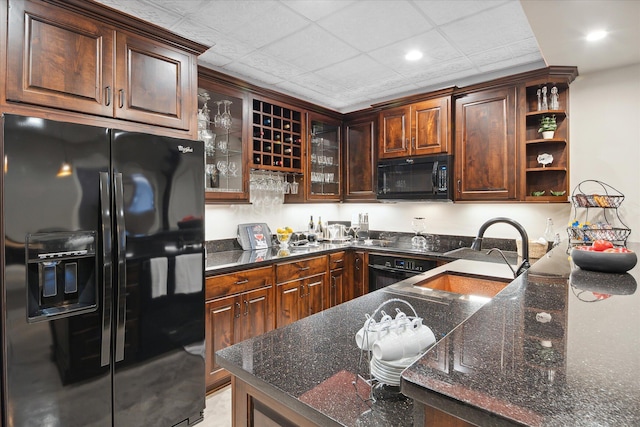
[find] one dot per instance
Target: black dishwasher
(385, 270)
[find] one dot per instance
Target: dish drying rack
(587, 196)
(363, 373)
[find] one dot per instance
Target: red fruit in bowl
(585, 248)
(600, 245)
(620, 249)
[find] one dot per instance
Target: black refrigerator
(102, 277)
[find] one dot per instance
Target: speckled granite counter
(558, 348)
(225, 261)
(494, 367)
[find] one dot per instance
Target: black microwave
(416, 178)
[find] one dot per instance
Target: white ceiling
(348, 54)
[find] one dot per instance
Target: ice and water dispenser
(61, 274)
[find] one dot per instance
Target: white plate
(399, 364)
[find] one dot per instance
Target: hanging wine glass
(225, 120)
(217, 120)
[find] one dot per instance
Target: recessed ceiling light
(413, 55)
(596, 35)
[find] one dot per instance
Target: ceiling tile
(445, 11)
(349, 73)
(314, 9)
(371, 24)
(272, 22)
(483, 31)
(144, 11)
(434, 47)
(311, 48)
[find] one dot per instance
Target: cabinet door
(225, 142)
(153, 83)
(324, 160)
(393, 140)
(486, 155)
(59, 59)
(338, 292)
(430, 127)
(220, 319)
(360, 161)
(360, 274)
(316, 295)
(288, 302)
(256, 317)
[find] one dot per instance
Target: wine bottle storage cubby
(277, 137)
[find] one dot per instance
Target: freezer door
(159, 311)
(55, 361)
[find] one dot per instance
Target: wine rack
(276, 137)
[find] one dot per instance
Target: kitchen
(588, 155)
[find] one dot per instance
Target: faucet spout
(477, 242)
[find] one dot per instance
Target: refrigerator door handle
(121, 302)
(105, 226)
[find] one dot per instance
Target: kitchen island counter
(550, 349)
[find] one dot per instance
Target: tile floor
(217, 412)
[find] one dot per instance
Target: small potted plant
(548, 126)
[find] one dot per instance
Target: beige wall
(608, 153)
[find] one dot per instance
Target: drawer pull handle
(242, 282)
(305, 268)
(338, 261)
(543, 317)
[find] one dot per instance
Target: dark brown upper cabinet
(417, 129)
(485, 145)
(60, 56)
(360, 159)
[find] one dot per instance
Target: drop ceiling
(348, 54)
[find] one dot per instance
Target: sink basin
(464, 284)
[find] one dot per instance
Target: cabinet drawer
(301, 268)
(241, 281)
(336, 260)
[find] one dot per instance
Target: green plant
(548, 123)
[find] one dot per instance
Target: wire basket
(592, 194)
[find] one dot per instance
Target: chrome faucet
(477, 242)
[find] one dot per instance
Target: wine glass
(419, 226)
(225, 120)
(222, 167)
(217, 120)
(233, 169)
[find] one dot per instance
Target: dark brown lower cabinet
(239, 306)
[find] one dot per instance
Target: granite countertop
(219, 262)
(497, 369)
(579, 368)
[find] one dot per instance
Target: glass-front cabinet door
(222, 126)
(323, 168)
